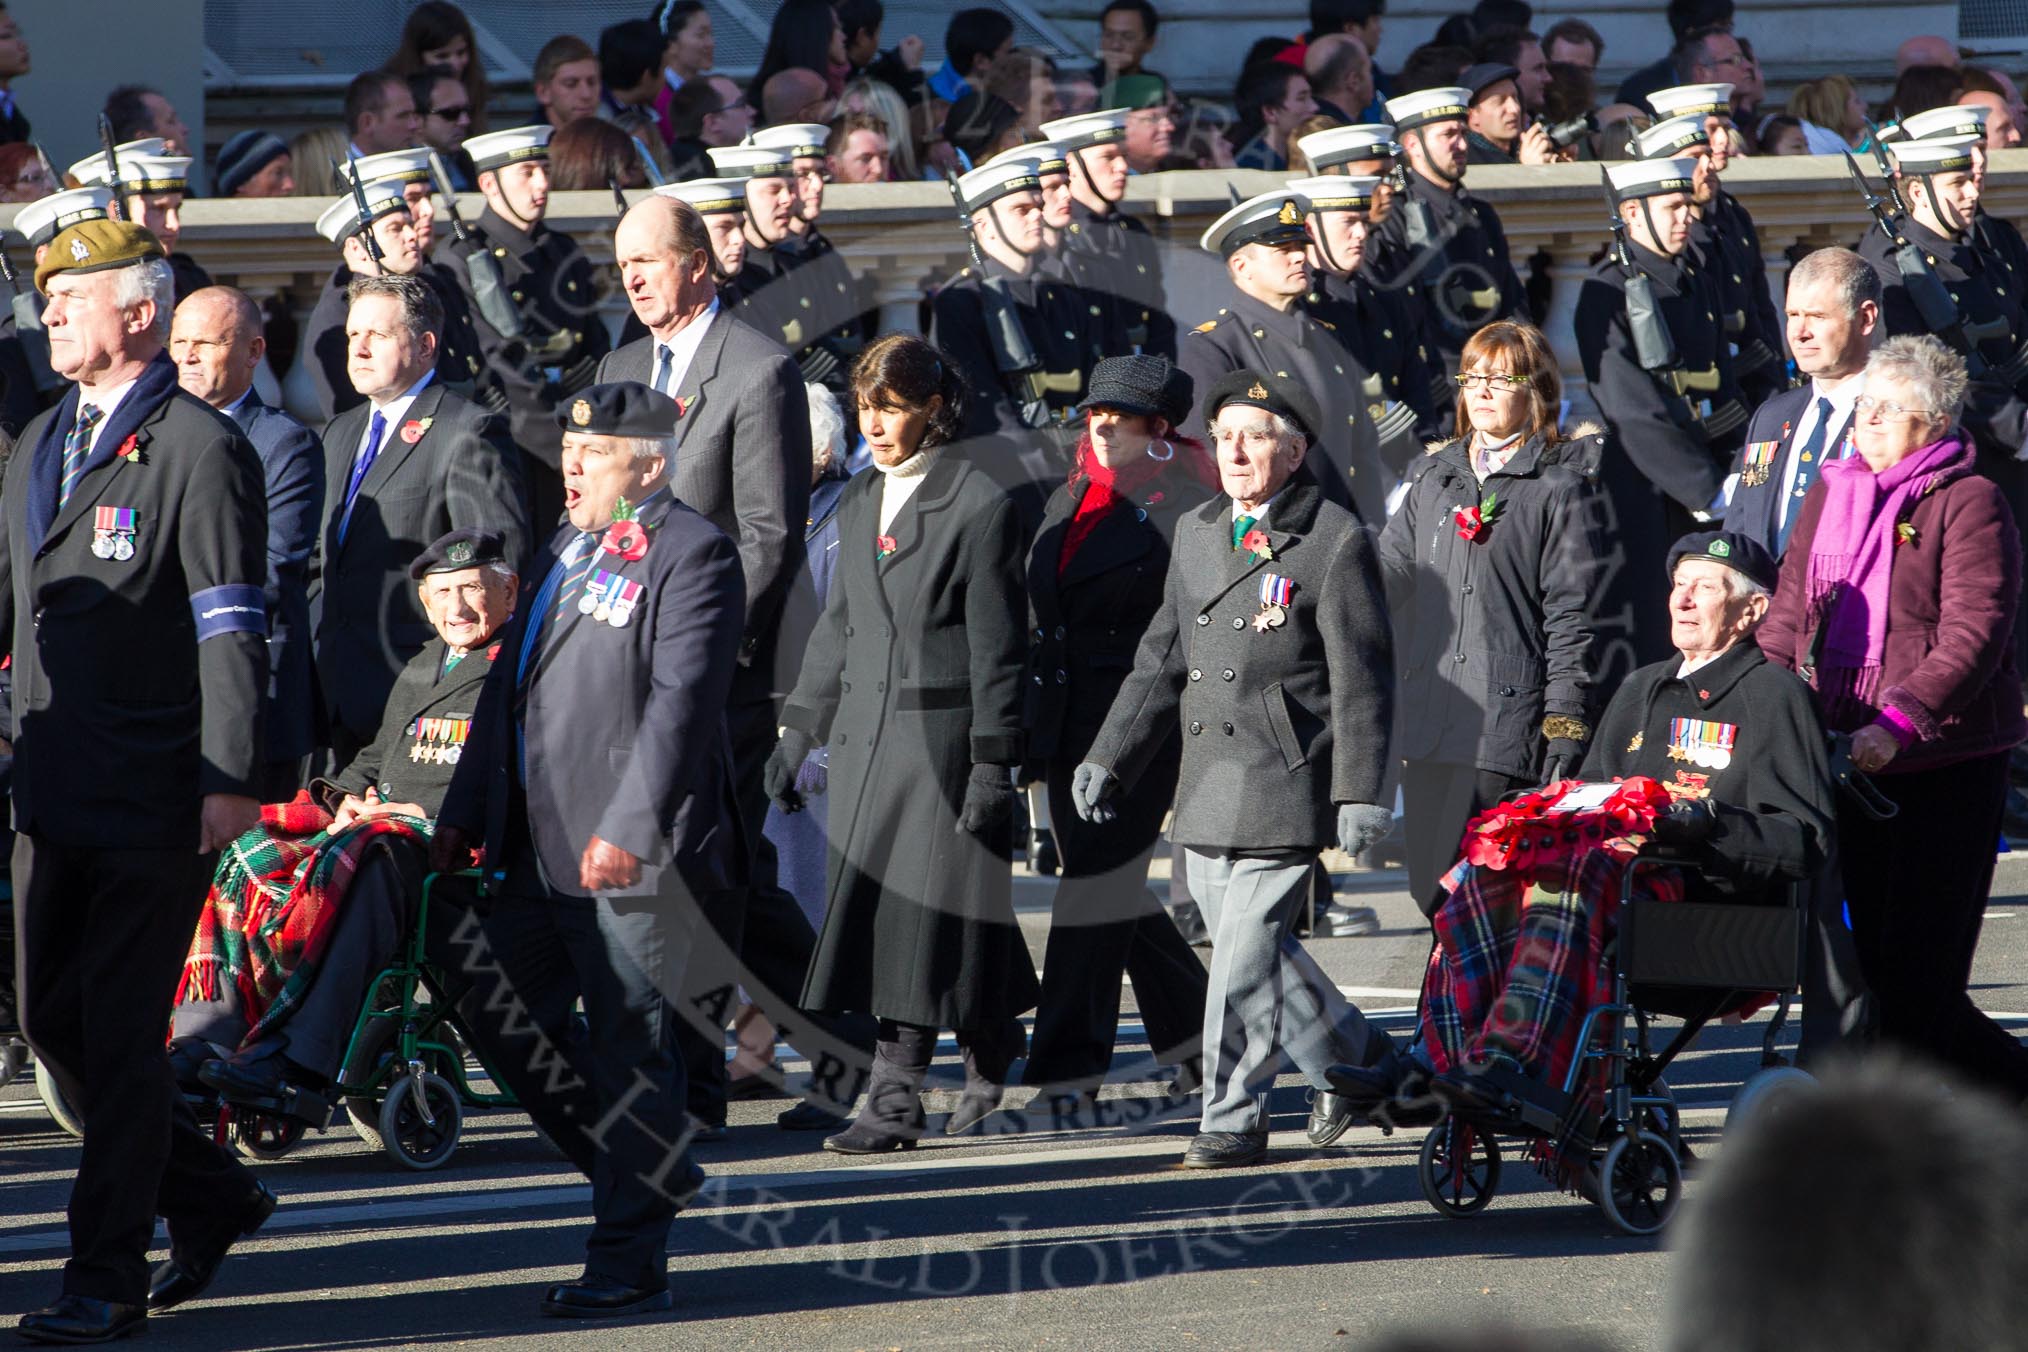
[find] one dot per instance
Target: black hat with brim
(1144, 383)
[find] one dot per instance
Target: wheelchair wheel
(415, 1138)
(1459, 1169)
(59, 1107)
(13, 1056)
(266, 1136)
(1640, 1183)
(1766, 1091)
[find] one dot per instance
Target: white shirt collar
(1686, 667)
(682, 349)
(1259, 513)
(395, 408)
(230, 409)
(107, 402)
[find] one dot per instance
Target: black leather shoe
(1330, 1117)
(704, 1133)
(860, 1139)
(76, 1320)
(760, 1084)
(1363, 1086)
(597, 1298)
(1043, 860)
(1225, 1149)
(193, 1262)
(808, 1116)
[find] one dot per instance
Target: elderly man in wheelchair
(307, 908)
(1713, 761)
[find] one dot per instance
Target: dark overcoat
(1280, 724)
(424, 732)
(912, 677)
(1494, 633)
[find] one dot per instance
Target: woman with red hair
(1095, 581)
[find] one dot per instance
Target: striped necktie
(77, 448)
(559, 590)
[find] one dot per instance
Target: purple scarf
(1852, 563)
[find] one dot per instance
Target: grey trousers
(1266, 994)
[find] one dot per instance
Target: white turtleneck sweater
(898, 484)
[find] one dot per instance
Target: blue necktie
(665, 362)
(565, 578)
(374, 432)
(1808, 465)
(77, 448)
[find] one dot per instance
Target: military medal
(1702, 743)
(1759, 462)
(113, 533)
(1275, 594)
(594, 593)
(626, 596)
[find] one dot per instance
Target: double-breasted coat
(424, 730)
(1280, 722)
(912, 677)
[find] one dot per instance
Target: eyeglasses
(1866, 406)
(1496, 380)
(461, 113)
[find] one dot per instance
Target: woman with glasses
(1490, 562)
(1897, 604)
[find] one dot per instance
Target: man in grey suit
(216, 342)
(1273, 651)
(598, 776)
(410, 464)
(744, 423)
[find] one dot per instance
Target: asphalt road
(1035, 1236)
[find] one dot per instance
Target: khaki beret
(93, 246)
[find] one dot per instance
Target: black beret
(624, 408)
(1741, 553)
(1485, 75)
(467, 547)
(244, 156)
(1276, 394)
(1143, 383)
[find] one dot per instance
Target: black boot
(892, 1118)
(988, 1054)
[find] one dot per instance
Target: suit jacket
(423, 732)
(1764, 475)
(459, 471)
(623, 725)
(1279, 724)
(743, 462)
(292, 468)
(459, 359)
(138, 682)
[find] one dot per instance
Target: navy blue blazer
(292, 468)
(1762, 465)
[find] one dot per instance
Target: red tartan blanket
(274, 899)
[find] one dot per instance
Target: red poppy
(130, 449)
(885, 544)
(627, 540)
(412, 431)
(1255, 542)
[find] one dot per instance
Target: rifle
(1013, 353)
(1886, 169)
(654, 172)
(1654, 345)
(619, 198)
(489, 288)
(116, 208)
(373, 250)
(1926, 291)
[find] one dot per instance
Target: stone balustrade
(904, 237)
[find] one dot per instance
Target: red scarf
(1107, 488)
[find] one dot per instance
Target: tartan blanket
(274, 900)
(1520, 960)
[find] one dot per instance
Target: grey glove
(989, 799)
(778, 778)
(1091, 788)
(1360, 824)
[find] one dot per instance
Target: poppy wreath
(1523, 835)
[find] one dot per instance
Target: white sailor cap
(1448, 104)
(1270, 218)
(340, 221)
(155, 173)
(1889, 131)
(1003, 178)
(1650, 178)
(497, 149)
(92, 168)
(1088, 129)
(1672, 137)
(1047, 156)
(748, 160)
(401, 166)
(1930, 157)
(1700, 99)
(1336, 192)
(802, 140)
(45, 218)
(1334, 146)
(709, 196)
(1952, 124)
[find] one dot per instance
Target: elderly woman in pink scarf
(1897, 603)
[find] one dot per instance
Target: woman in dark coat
(1897, 603)
(913, 681)
(1095, 577)
(1490, 562)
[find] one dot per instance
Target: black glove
(1561, 758)
(778, 779)
(1687, 824)
(1091, 788)
(989, 799)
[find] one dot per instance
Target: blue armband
(229, 610)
